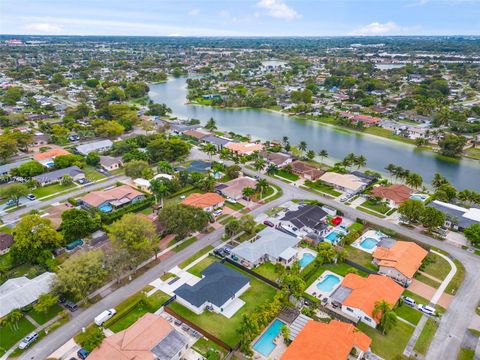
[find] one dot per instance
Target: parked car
(232, 201)
(428, 310)
(70, 305)
(72, 245)
(28, 340)
(409, 301)
(104, 316)
(11, 202)
(217, 212)
(269, 223)
(219, 252)
(31, 197)
(82, 353)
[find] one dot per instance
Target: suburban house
(207, 201)
(150, 337)
(6, 168)
(109, 199)
(196, 133)
(366, 120)
(56, 176)
(54, 214)
(268, 245)
(6, 241)
(306, 171)
(233, 189)
(395, 194)
(276, 158)
(196, 166)
(218, 290)
(356, 296)
(97, 146)
(332, 341)
(21, 291)
(110, 163)
(40, 139)
(457, 217)
(243, 148)
(399, 260)
(46, 158)
(218, 141)
(306, 221)
(344, 182)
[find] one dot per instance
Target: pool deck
(280, 345)
(302, 251)
(370, 234)
(315, 292)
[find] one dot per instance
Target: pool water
(306, 259)
(368, 243)
(265, 344)
(328, 283)
(105, 208)
(418, 197)
(333, 236)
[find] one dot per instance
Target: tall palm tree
(261, 186)
(248, 192)
(360, 161)
(388, 318)
(13, 318)
(323, 154)
(259, 164)
(349, 160)
(302, 146)
(438, 180)
(391, 169)
(210, 149)
(285, 140)
(272, 169)
(414, 180)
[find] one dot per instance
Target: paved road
(37, 204)
(83, 317)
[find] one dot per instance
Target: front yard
(43, 317)
(322, 187)
(435, 266)
(9, 336)
(426, 336)
(408, 313)
(48, 190)
(221, 327)
(202, 265)
(374, 205)
(287, 175)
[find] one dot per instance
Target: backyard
(221, 327)
(267, 270)
(206, 348)
(360, 257)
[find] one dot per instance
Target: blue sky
(240, 17)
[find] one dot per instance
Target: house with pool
(269, 245)
(46, 158)
(356, 296)
(305, 221)
(336, 340)
(218, 290)
(108, 200)
(399, 260)
(395, 194)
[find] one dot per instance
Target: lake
(268, 125)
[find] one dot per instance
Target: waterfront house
(243, 148)
(395, 194)
(348, 183)
(276, 158)
(306, 171)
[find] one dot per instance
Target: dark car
(219, 252)
(70, 305)
(269, 223)
(82, 354)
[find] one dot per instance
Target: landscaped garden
(209, 349)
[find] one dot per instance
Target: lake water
(268, 125)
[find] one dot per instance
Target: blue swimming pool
(105, 208)
(368, 243)
(265, 344)
(419, 197)
(306, 259)
(332, 237)
(328, 283)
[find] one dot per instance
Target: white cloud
(44, 28)
(278, 9)
(376, 28)
(194, 12)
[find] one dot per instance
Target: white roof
(85, 149)
(347, 181)
(22, 291)
(472, 214)
(142, 182)
(165, 176)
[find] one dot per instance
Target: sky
(240, 17)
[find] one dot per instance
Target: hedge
(124, 308)
(108, 218)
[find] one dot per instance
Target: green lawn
(42, 318)
(426, 336)
(194, 257)
(421, 300)
(9, 337)
(237, 206)
(221, 327)
(391, 345)
(225, 220)
(457, 280)
(205, 348)
(287, 175)
(9, 270)
(360, 257)
(379, 131)
(266, 193)
(321, 186)
(51, 189)
(368, 211)
(473, 153)
(177, 197)
(436, 266)
(198, 268)
(408, 313)
(267, 270)
(340, 269)
(92, 174)
(466, 354)
(426, 280)
(184, 245)
(377, 206)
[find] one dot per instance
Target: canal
(268, 125)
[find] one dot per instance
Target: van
(409, 301)
(104, 316)
(70, 305)
(428, 310)
(28, 340)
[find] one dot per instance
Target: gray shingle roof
(216, 140)
(219, 283)
(4, 169)
(53, 175)
(170, 346)
(306, 216)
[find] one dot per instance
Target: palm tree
(272, 169)
(210, 149)
(403, 173)
(248, 192)
(310, 154)
(391, 168)
(211, 124)
(414, 180)
(302, 146)
(225, 154)
(388, 318)
(259, 164)
(285, 140)
(323, 154)
(261, 186)
(349, 160)
(360, 161)
(13, 318)
(160, 188)
(438, 180)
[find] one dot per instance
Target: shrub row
(108, 218)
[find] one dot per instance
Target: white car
(428, 310)
(217, 212)
(232, 201)
(28, 340)
(104, 316)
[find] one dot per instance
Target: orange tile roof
(244, 147)
(332, 341)
(405, 256)
(136, 342)
(50, 154)
(367, 291)
(396, 192)
(203, 200)
(96, 198)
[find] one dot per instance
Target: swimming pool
(419, 197)
(306, 259)
(332, 237)
(265, 344)
(328, 283)
(105, 208)
(368, 243)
